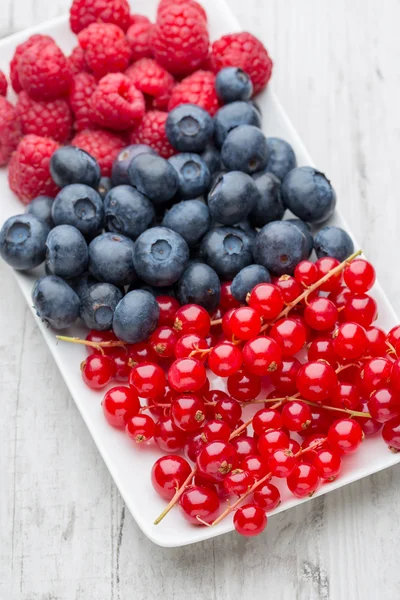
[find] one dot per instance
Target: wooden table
(65, 533)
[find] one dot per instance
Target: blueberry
(189, 128)
(306, 229)
(269, 206)
(119, 174)
(247, 279)
(73, 165)
(212, 158)
(23, 241)
(98, 305)
(128, 211)
(233, 84)
(111, 259)
(247, 228)
(200, 285)
(153, 176)
(232, 198)
(81, 206)
(227, 250)
(55, 302)
(67, 252)
(232, 115)
(308, 194)
(333, 241)
(104, 186)
(282, 158)
(41, 208)
(279, 247)
(160, 256)
(194, 176)
(155, 291)
(245, 149)
(82, 283)
(190, 218)
(136, 317)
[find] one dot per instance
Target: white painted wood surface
(64, 531)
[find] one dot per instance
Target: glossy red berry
(321, 420)
(322, 349)
(119, 405)
(281, 462)
(376, 374)
(376, 342)
(199, 504)
(192, 318)
(306, 273)
(311, 444)
(188, 412)
(284, 378)
(345, 436)
(227, 301)
(168, 307)
(237, 482)
(120, 358)
(270, 440)
(187, 375)
(290, 334)
(324, 265)
(294, 446)
(393, 337)
(350, 341)
(225, 359)
(361, 308)
(368, 425)
(267, 496)
(339, 297)
(226, 408)
(226, 324)
(296, 415)
(359, 276)
(262, 356)
(140, 428)
(250, 520)
(168, 474)
(189, 343)
(321, 314)
(289, 288)
(167, 436)
(141, 352)
(266, 418)
(194, 443)
(216, 460)
(148, 379)
(245, 323)
(391, 434)
(303, 480)
(243, 386)
(98, 337)
(316, 380)
(345, 395)
(97, 371)
(244, 445)
(163, 341)
(255, 465)
(215, 431)
(267, 300)
(327, 464)
(395, 375)
(384, 405)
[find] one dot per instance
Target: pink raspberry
(85, 12)
(116, 102)
(80, 100)
(106, 48)
(10, 131)
(151, 131)
(76, 61)
(19, 51)
(28, 170)
(136, 18)
(103, 145)
(166, 4)
(138, 37)
(152, 79)
(44, 72)
(245, 51)
(198, 88)
(180, 39)
(3, 84)
(49, 118)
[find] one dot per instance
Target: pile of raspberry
(115, 87)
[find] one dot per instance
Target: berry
(116, 103)
(153, 176)
(102, 145)
(233, 84)
(152, 80)
(168, 307)
(168, 437)
(120, 404)
(168, 474)
(279, 247)
(391, 434)
(254, 465)
(198, 89)
(163, 341)
(245, 149)
(228, 301)
(284, 377)
(269, 206)
(376, 340)
(100, 336)
(49, 118)
(141, 352)
(76, 61)
(127, 211)
(362, 309)
(350, 341)
(327, 464)
(281, 463)
(106, 48)
(80, 100)
(243, 386)
(72, 165)
(216, 460)
(315, 380)
(282, 159)
(233, 115)
(19, 51)
(322, 349)
(369, 426)
(225, 359)
(187, 375)
(191, 219)
(271, 440)
(333, 241)
(55, 302)
(245, 323)
(245, 446)
(81, 206)
(308, 194)
(250, 520)
(140, 428)
(324, 266)
(345, 436)
(232, 197)
(238, 482)
(345, 395)
(193, 445)
(246, 280)
(40, 207)
(376, 374)
(151, 131)
(110, 260)
(303, 481)
(227, 250)
(288, 287)
(194, 176)
(192, 319)
(10, 131)
(261, 356)
(359, 276)
(395, 376)
(267, 496)
(138, 37)
(97, 371)
(199, 504)
(339, 296)
(188, 412)
(266, 299)
(44, 72)
(306, 273)
(23, 241)
(3, 84)
(290, 334)
(84, 12)
(148, 380)
(189, 128)
(164, 5)
(394, 335)
(321, 314)
(67, 253)
(120, 358)
(384, 405)
(227, 409)
(296, 416)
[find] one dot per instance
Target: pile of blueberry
(211, 213)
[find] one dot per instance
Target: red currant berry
(167, 436)
(290, 334)
(237, 482)
(376, 342)
(321, 420)
(324, 265)
(199, 504)
(193, 445)
(227, 409)
(267, 300)
(345, 436)
(368, 425)
(215, 431)
(316, 380)
(120, 358)
(140, 353)
(321, 314)
(189, 343)
(148, 379)
(311, 445)
(192, 318)
(227, 301)
(322, 349)
(327, 464)
(261, 356)
(306, 273)
(243, 386)
(361, 308)
(266, 418)
(391, 434)
(168, 307)
(340, 296)
(359, 276)
(245, 323)
(282, 462)
(294, 446)
(244, 445)
(394, 336)
(303, 480)
(163, 341)
(350, 341)
(97, 371)
(100, 336)
(289, 288)
(250, 520)
(168, 474)
(188, 412)
(255, 465)
(270, 440)
(226, 323)
(225, 359)
(296, 416)
(267, 496)
(376, 374)
(119, 405)
(216, 460)
(284, 378)
(345, 395)
(395, 375)
(384, 405)
(140, 428)
(187, 375)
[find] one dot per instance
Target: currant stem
(98, 345)
(216, 322)
(176, 496)
(348, 411)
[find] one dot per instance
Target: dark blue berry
(155, 291)
(82, 283)
(67, 252)
(308, 194)
(104, 186)
(282, 158)
(200, 285)
(153, 176)
(190, 218)
(227, 250)
(98, 305)
(233, 84)
(232, 198)
(23, 241)
(247, 279)
(306, 229)
(55, 302)
(279, 247)
(73, 165)
(41, 208)
(212, 158)
(128, 211)
(111, 259)
(136, 317)
(232, 115)
(160, 256)
(245, 149)
(333, 241)
(81, 206)
(119, 174)
(269, 206)
(194, 176)
(189, 128)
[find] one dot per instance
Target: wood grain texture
(64, 531)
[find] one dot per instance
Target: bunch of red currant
(306, 344)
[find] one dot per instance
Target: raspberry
(76, 61)
(136, 18)
(44, 72)
(103, 145)
(166, 4)
(85, 12)
(80, 100)
(51, 118)
(198, 88)
(10, 131)
(180, 39)
(28, 170)
(19, 51)
(138, 37)
(117, 103)
(3, 84)
(106, 49)
(245, 51)
(152, 79)
(151, 131)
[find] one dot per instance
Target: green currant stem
(216, 322)
(348, 411)
(98, 345)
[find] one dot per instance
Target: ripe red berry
(376, 374)
(339, 296)
(168, 307)
(350, 341)
(266, 418)
(163, 341)
(282, 462)
(250, 520)
(361, 308)
(152, 80)
(262, 356)
(316, 380)
(120, 358)
(85, 12)
(267, 300)
(303, 481)
(270, 440)
(290, 334)
(391, 434)
(226, 323)
(80, 99)
(306, 273)
(103, 145)
(345, 436)
(140, 353)
(119, 405)
(215, 431)
(194, 443)
(321, 314)
(376, 340)
(19, 51)
(227, 409)
(395, 375)
(138, 37)
(167, 436)
(192, 318)
(384, 405)
(188, 412)
(359, 276)
(321, 420)
(245, 323)
(296, 415)
(97, 371)
(368, 425)
(327, 464)
(148, 379)
(198, 88)
(345, 395)
(168, 474)
(284, 378)
(117, 103)
(199, 502)
(48, 118)
(216, 460)
(394, 336)
(255, 465)
(289, 288)
(244, 446)
(189, 343)
(140, 428)
(227, 300)
(99, 336)
(10, 131)
(187, 375)
(243, 386)
(106, 48)
(225, 359)
(322, 349)
(324, 265)
(151, 131)
(267, 496)
(238, 482)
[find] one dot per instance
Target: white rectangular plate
(130, 466)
